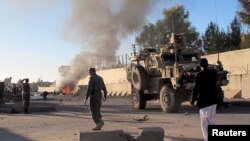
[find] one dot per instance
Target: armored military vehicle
(167, 74)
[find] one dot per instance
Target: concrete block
(151, 134)
(230, 94)
(117, 135)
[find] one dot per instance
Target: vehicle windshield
(170, 58)
(190, 58)
(180, 58)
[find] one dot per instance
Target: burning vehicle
(62, 85)
(69, 89)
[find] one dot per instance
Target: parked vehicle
(168, 74)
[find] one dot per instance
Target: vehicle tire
(139, 78)
(220, 95)
(138, 100)
(170, 101)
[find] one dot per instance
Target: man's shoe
(101, 123)
(98, 127)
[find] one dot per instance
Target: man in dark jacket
(205, 93)
(95, 87)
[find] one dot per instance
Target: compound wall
(116, 81)
(237, 63)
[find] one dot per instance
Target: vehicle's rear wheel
(138, 100)
(170, 101)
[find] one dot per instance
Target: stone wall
(238, 64)
(116, 81)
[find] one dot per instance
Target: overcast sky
(32, 35)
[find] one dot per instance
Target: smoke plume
(98, 26)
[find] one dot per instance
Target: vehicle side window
(170, 58)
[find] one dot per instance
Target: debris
(144, 118)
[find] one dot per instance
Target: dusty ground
(71, 117)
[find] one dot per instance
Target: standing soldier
(45, 93)
(94, 91)
(1, 92)
(26, 95)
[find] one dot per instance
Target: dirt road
(71, 117)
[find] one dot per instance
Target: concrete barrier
(116, 81)
(245, 86)
(237, 63)
(233, 89)
(146, 134)
(117, 135)
(119, 89)
(151, 134)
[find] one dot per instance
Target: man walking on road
(26, 95)
(94, 91)
(205, 93)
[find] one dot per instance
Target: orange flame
(67, 90)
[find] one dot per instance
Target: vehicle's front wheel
(138, 100)
(170, 101)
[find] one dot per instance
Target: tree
(245, 41)
(212, 38)
(175, 20)
(146, 38)
(235, 34)
(244, 14)
(216, 40)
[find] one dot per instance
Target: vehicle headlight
(187, 74)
